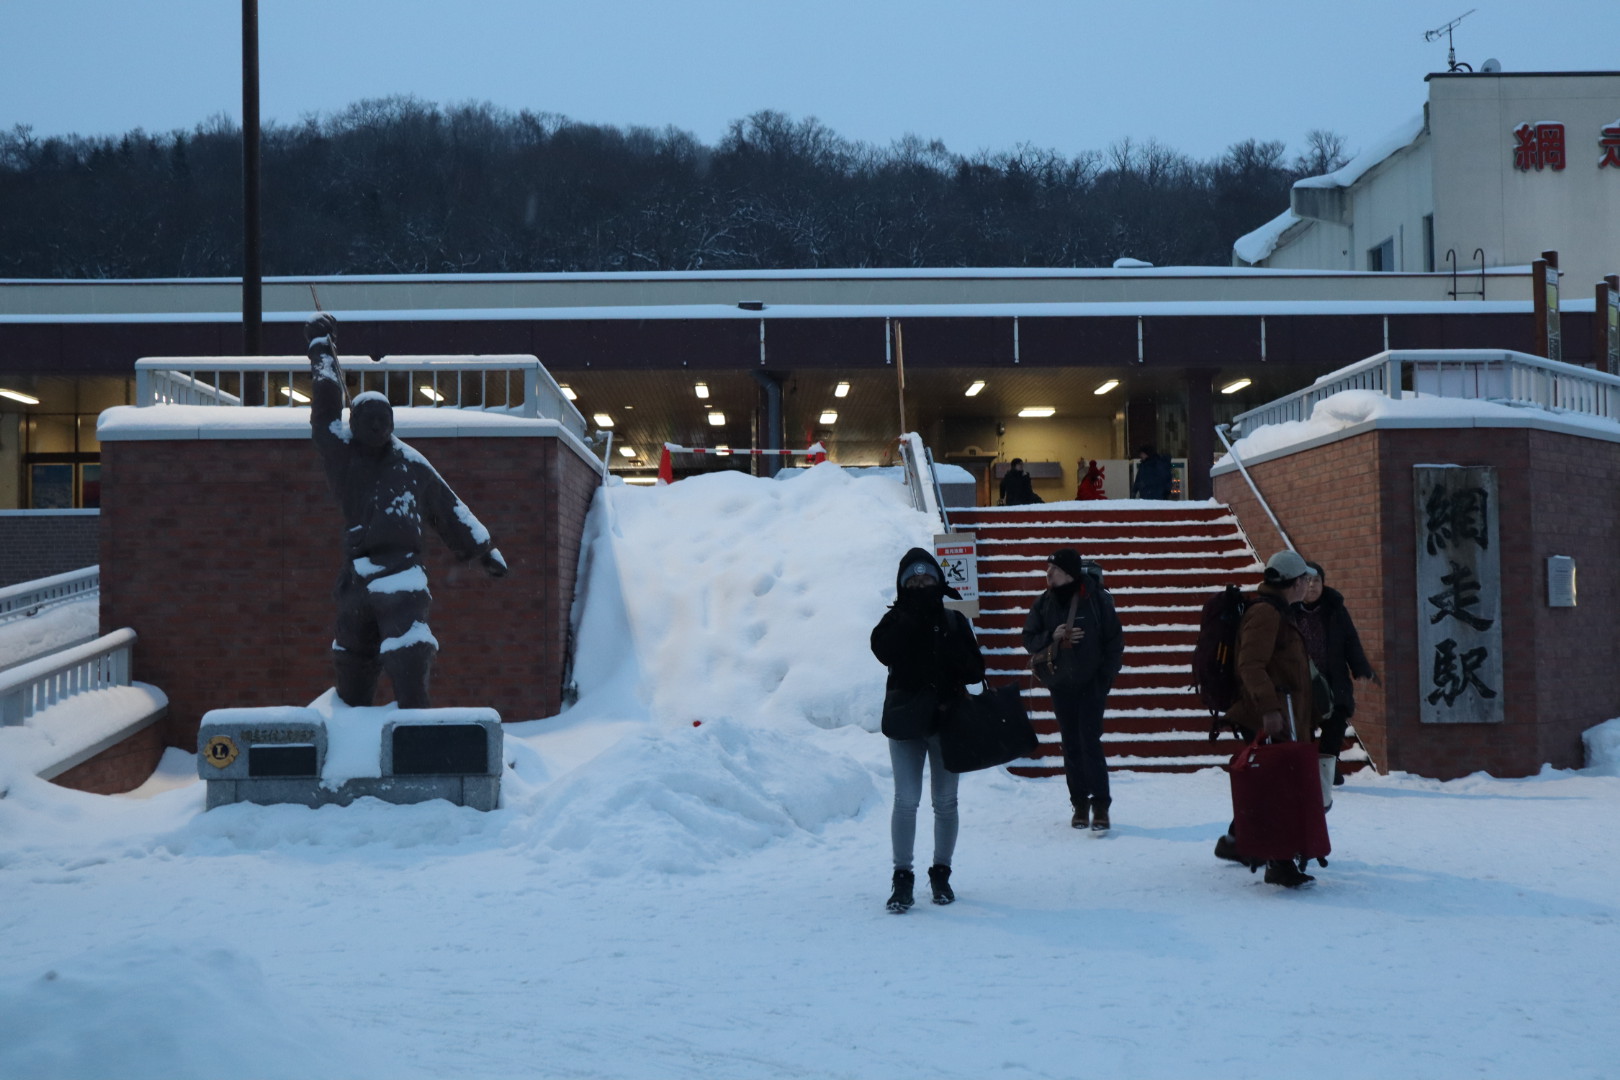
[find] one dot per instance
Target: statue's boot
(356, 677)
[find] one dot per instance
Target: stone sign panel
(1459, 595)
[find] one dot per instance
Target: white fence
(1499, 375)
(37, 685)
(515, 385)
(919, 477)
(31, 597)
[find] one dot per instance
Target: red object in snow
(666, 468)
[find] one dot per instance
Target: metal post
(252, 282)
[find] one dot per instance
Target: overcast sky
(1074, 75)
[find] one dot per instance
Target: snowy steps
(1160, 565)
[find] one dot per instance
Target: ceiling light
(717, 419)
(1107, 386)
(841, 390)
(1236, 385)
(18, 395)
(644, 481)
(603, 420)
(568, 392)
(701, 388)
(627, 451)
(1037, 410)
(286, 391)
(829, 416)
(978, 384)
(431, 394)
(722, 451)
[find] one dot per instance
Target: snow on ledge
(132, 423)
(1354, 412)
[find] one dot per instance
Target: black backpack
(1214, 663)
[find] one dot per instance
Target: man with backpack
(1077, 647)
(1272, 691)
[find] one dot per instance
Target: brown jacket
(1271, 663)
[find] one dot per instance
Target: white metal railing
(919, 477)
(31, 597)
(515, 385)
(37, 685)
(1497, 375)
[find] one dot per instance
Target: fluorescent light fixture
(702, 389)
(1105, 387)
(722, 451)
(841, 390)
(431, 394)
(286, 391)
(829, 416)
(717, 419)
(1235, 385)
(18, 395)
(603, 420)
(627, 451)
(568, 392)
(643, 481)
(1036, 411)
(972, 391)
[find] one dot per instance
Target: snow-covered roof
(1254, 246)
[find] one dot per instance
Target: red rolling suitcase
(1277, 801)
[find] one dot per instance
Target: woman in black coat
(1335, 647)
(932, 657)
(1089, 656)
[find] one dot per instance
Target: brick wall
(35, 544)
(223, 555)
(119, 768)
(1349, 506)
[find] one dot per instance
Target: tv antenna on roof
(1451, 50)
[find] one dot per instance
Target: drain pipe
(773, 419)
(1220, 429)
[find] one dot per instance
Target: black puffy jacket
(1343, 656)
(1097, 658)
(928, 649)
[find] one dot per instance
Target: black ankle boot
(1283, 872)
(901, 899)
(939, 879)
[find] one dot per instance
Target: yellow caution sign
(220, 751)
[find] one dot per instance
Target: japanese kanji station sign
(1543, 145)
(1459, 595)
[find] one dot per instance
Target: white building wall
(1390, 204)
(1320, 245)
(1483, 201)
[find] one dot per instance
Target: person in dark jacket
(932, 657)
(1089, 656)
(1335, 647)
(1016, 487)
(1153, 475)
(390, 497)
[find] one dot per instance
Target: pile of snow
(1602, 745)
(165, 1011)
(53, 628)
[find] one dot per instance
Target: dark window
(1382, 257)
(1428, 243)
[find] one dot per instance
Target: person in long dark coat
(932, 657)
(1088, 660)
(1154, 475)
(1017, 489)
(1335, 647)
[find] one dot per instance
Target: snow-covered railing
(31, 597)
(919, 478)
(1497, 375)
(37, 685)
(516, 385)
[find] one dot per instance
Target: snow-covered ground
(688, 872)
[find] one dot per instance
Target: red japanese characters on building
(1611, 146)
(1539, 146)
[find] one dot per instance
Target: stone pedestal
(327, 753)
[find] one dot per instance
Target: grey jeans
(907, 757)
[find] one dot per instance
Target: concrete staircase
(1160, 564)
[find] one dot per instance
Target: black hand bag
(987, 730)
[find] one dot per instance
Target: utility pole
(252, 282)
